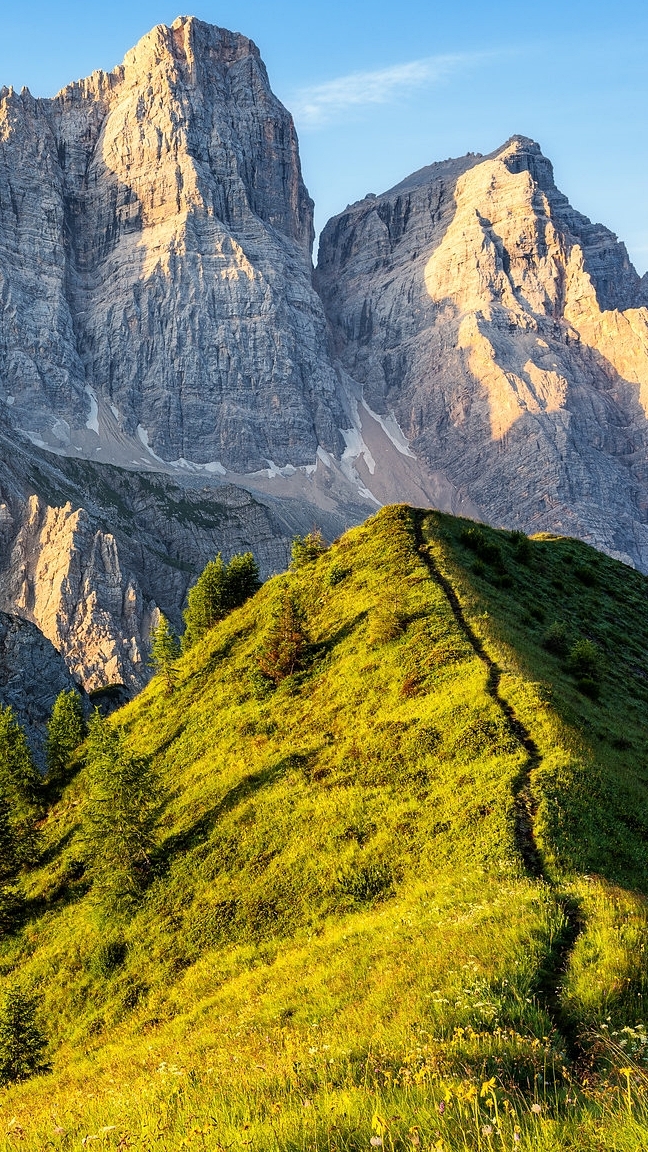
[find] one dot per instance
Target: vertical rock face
(509, 337)
(66, 576)
(155, 276)
(90, 553)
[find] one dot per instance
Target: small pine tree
(66, 730)
(206, 602)
(165, 649)
(11, 903)
(285, 647)
(218, 590)
(242, 579)
(22, 1044)
(19, 778)
(123, 801)
(8, 853)
(306, 549)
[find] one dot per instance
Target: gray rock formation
(91, 552)
(172, 384)
(508, 338)
(155, 275)
(156, 313)
(32, 673)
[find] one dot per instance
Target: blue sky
(379, 89)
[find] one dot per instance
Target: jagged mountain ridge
(155, 225)
(476, 345)
(91, 553)
(509, 336)
(156, 297)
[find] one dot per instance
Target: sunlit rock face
(155, 263)
(91, 553)
(157, 313)
(508, 335)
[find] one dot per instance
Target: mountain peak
(521, 153)
(191, 41)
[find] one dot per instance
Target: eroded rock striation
(156, 315)
(90, 553)
(508, 336)
(155, 274)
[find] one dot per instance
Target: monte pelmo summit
(394, 884)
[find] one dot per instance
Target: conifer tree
(11, 903)
(8, 854)
(242, 579)
(123, 801)
(218, 590)
(206, 602)
(165, 650)
(286, 643)
(22, 1044)
(66, 730)
(306, 549)
(19, 778)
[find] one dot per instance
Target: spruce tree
(306, 549)
(66, 730)
(206, 602)
(123, 801)
(165, 650)
(241, 578)
(22, 1044)
(218, 590)
(19, 778)
(8, 853)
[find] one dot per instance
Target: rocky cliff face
(509, 338)
(155, 275)
(90, 553)
(156, 313)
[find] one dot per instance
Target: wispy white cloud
(315, 106)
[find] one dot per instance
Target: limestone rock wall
(508, 335)
(91, 553)
(173, 383)
(155, 263)
(65, 574)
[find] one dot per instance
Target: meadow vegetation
(384, 881)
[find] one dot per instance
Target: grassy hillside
(398, 898)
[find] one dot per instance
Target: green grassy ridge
(338, 858)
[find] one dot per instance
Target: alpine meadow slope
(397, 894)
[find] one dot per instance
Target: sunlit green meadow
(340, 947)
